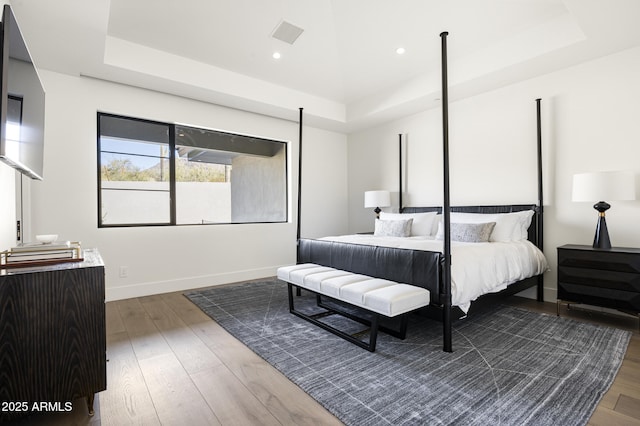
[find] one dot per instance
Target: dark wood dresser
(52, 336)
(608, 278)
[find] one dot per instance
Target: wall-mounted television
(21, 102)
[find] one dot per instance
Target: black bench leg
(373, 333)
(290, 294)
(404, 320)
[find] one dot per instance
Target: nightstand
(606, 278)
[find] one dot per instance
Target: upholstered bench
(378, 296)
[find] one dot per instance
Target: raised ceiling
(343, 69)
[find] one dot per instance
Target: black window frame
(172, 180)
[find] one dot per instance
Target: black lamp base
(601, 239)
(377, 212)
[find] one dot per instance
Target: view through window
(153, 173)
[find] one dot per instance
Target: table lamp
(377, 199)
(600, 186)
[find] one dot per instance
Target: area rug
(510, 366)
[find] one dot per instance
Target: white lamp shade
(377, 199)
(604, 186)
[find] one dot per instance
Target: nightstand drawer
(610, 279)
(600, 260)
(599, 296)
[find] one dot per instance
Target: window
(135, 174)
(153, 173)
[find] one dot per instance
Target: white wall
(161, 259)
(590, 122)
(324, 183)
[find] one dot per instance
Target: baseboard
(188, 283)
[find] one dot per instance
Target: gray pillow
(393, 228)
(471, 232)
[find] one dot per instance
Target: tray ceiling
(343, 68)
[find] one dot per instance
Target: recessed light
(276, 55)
(400, 50)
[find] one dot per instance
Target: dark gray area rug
(509, 366)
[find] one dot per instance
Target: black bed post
(400, 171)
(299, 185)
(298, 291)
(539, 227)
(446, 270)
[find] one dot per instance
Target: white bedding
(476, 268)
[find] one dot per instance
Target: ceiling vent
(287, 32)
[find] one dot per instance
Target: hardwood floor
(169, 363)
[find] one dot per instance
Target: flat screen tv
(21, 103)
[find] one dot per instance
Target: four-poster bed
(422, 268)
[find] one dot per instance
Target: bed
(427, 262)
(491, 250)
(491, 266)
(419, 261)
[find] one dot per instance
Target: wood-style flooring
(170, 364)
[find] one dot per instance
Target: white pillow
(525, 221)
(392, 228)
(509, 226)
(422, 222)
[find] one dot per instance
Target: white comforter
(476, 268)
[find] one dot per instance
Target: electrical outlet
(124, 271)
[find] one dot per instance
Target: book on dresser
(35, 254)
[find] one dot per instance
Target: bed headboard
(534, 229)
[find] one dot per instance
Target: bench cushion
(331, 287)
(385, 297)
(354, 293)
(313, 281)
(396, 299)
(284, 272)
(300, 276)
